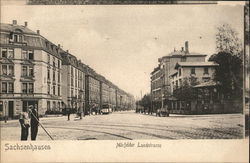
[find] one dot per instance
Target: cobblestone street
(129, 125)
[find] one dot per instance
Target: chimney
(182, 49)
(174, 50)
(59, 46)
(25, 24)
(186, 47)
(14, 22)
(38, 32)
(67, 51)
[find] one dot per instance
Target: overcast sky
(123, 43)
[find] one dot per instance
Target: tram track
(119, 129)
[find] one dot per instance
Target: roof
(155, 69)
(12, 28)
(195, 64)
(207, 84)
(32, 39)
(182, 54)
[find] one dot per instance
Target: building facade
(161, 87)
(200, 71)
(73, 75)
(35, 71)
(26, 58)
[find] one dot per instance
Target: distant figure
(25, 124)
(34, 121)
(68, 113)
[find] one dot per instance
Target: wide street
(130, 125)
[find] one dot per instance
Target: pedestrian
(34, 121)
(24, 122)
(68, 112)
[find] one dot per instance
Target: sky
(123, 43)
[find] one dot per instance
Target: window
(31, 55)
(4, 87)
(72, 92)
(48, 58)
(72, 82)
(192, 70)
(54, 76)
(31, 71)
(11, 70)
(59, 64)
(54, 90)
(11, 53)
(4, 69)
(183, 59)
(179, 71)
(31, 87)
(4, 53)
(59, 91)
(11, 87)
(48, 74)
(48, 105)
(24, 87)
(27, 88)
(59, 77)
(24, 71)
(54, 62)
(15, 38)
(48, 89)
(54, 105)
(7, 53)
(205, 70)
(27, 71)
(24, 54)
(72, 72)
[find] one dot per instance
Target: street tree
(227, 40)
(146, 101)
(229, 73)
(186, 92)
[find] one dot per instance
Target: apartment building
(35, 71)
(92, 92)
(30, 70)
(73, 86)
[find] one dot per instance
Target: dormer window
(17, 36)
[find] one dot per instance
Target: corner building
(30, 71)
(161, 90)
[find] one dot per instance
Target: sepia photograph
(92, 71)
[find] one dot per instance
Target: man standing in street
(24, 122)
(68, 113)
(34, 122)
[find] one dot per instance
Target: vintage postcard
(124, 81)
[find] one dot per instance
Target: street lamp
(5, 117)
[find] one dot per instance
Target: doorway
(11, 109)
(26, 104)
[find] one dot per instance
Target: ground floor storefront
(11, 108)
